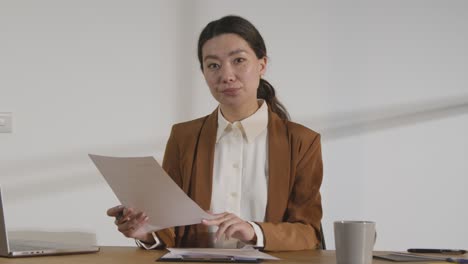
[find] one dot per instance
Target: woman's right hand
(131, 223)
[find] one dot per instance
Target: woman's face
(232, 70)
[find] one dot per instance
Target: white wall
(384, 82)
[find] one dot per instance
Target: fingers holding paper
(230, 225)
(130, 222)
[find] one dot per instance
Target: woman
(256, 171)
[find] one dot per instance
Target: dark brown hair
(243, 28)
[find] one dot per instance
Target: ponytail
(267, 93)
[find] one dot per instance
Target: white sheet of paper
(244, 253)
(141, 183)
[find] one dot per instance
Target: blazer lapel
(202, 176)
(279, 162)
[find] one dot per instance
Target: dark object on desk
(201, 258)
(435, 250)
(407, 257)
(399, 257)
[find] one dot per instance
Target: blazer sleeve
(300, 227)
(171, 166)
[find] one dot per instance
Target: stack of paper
(216, 255)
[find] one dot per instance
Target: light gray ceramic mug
(354, 241)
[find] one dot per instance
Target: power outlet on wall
(5, 122)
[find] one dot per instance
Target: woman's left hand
(231, 226)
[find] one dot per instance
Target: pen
(119, 215)
(434, 250)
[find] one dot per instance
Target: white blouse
(240, 171)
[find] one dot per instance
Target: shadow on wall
(75, 238)
(43, 176)
(342, 125)
(62, 173)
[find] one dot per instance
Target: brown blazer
(294, 209)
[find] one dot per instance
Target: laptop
(29, 248)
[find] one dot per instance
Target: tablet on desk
(403, 257)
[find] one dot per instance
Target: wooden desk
(126, 255)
